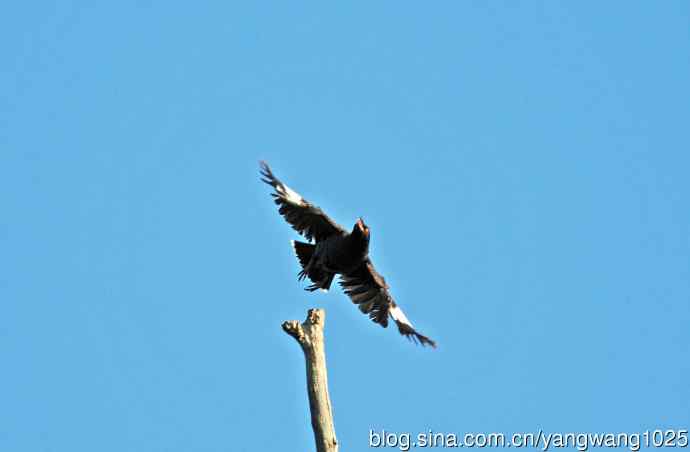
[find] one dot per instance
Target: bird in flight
(337, 251)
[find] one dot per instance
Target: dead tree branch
(309, 335)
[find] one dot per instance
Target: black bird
(336, 251)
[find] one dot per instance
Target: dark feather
(304, 217)
(368, 289)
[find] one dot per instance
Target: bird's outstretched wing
(367, 288)
(303, 216)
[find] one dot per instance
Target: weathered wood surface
(309, 335)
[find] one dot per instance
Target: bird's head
(361, 229)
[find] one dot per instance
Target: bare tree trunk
(309, 335)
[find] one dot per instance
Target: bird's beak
(362, 228)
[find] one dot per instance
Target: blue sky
(523, 167)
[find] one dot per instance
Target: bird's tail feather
(324, 283)
(304, 252)
(321, 279)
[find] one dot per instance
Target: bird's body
(336, 254)
(336, 251)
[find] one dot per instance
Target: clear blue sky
(523, 167)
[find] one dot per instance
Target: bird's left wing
(367, 288)
(303, 216)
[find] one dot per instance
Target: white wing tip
(398, 315)
(289, 194)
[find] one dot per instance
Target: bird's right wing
(367, 288)
(303, 216)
